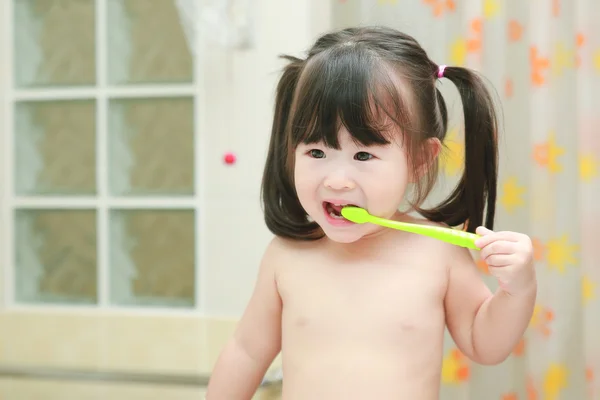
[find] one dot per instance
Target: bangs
(348, 86)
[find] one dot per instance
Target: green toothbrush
(449, 235)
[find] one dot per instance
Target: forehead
(349, 88)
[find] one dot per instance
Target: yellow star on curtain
(597, 60)
(458, 52)
(564, 58)
(491, 8)
(555, 379)
(512, 194)
(588, 289)
(561, 253)
(588, 167)
(453, 159)
(455, 367)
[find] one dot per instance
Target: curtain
(543, 58)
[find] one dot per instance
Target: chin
(343, 235)
(343, 239)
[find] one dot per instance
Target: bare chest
(362, 300)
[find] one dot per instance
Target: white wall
(239, 102)
(240, 93)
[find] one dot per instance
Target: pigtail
(283, 213)
(475, 195)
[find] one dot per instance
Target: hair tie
(441, 69)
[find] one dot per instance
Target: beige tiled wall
(184, 345)
(47, 390)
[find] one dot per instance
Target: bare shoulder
(285, 247)
(281, 251)
(453, 255)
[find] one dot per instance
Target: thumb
(483, 231)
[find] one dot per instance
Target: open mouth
(335, 210)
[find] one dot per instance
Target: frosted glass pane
(55, 148)
(152, 257)
(146, 43)
(152, 146)
(55, 256)
(54, 43)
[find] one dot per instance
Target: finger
(499, 247)
(483, 231)
(499, 260)
(495, 236)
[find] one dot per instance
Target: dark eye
(316, 153)
(363, 156)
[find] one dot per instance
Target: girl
(359, 311)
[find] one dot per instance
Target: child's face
(374, 178)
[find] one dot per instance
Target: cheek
(390, 186)
(305, 179)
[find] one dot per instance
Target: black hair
(354, 76)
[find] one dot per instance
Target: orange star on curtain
(440, 6)
(538, 65)
(546, 154)
(541, 319)
(519, 349)
(538, 249)
(462, 47)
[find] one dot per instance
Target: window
(103, 174)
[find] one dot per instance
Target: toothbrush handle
(448, 235)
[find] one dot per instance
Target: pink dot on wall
(229, 158)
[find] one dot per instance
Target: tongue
(337, 209)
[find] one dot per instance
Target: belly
(369, 372)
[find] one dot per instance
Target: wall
(239, 104)
(241, 99)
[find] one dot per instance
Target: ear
(429, 153)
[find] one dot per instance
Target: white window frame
(103, 202)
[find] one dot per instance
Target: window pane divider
(200, 275)
(108, 310)
(102, 213)
(107, 201)
(121, 92)
(8, 181)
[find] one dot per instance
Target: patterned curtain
(543, 58)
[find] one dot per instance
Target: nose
(339, 180)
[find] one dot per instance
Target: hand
(509, 256)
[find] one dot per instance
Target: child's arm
(256, 341)
(486, 327)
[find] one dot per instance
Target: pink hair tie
(441, 69)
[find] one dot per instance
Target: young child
(359, 311)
